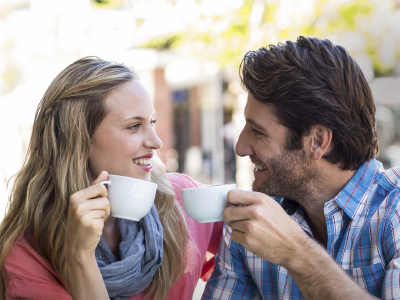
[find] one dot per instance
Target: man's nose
(243, 145)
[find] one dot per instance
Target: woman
(58, 240)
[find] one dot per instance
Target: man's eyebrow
(258, 127)
(255, 124)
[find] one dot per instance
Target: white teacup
(206, 204)
(130, 198)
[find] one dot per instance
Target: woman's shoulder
(22, 253)
(182, 181)
(25, 270)
(23, 260)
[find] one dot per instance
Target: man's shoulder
(390, 178)
(386, 192)
(393, 176)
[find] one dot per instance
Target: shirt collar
(351, 196)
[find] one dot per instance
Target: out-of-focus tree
(225, 30)
(108, 4)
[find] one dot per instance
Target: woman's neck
(112, 236)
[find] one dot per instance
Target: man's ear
(320, 141)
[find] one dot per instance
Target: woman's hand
(88, 209)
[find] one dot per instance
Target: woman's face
(125, 140)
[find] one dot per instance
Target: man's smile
(260, 167)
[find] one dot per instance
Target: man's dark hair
(312, 82)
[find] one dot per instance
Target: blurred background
(187, 53)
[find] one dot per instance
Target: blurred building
(199, 105)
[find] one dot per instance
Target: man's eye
(256, 132)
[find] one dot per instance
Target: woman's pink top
(28, 275)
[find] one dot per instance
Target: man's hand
(260, 224)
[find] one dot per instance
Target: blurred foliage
(350, 12)
(327, 19)
(381, 69)
(269, 11)
(11, 77)
(109, 4)
(171, 41)
(236, 36)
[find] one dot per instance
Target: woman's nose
(153, 141)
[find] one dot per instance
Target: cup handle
(105, 182)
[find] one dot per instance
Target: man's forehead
(259, 113)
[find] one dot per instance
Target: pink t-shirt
(28, 275)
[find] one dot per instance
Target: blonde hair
(56, 166)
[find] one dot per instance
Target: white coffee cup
(206, 204)
(130, 198)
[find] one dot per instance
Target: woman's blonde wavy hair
(56, 166)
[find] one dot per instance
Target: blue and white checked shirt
(363, 223)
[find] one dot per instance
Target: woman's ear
(321, 138)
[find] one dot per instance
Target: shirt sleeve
(20, 288)
(212, 250)
(28, 275)
(391, 284)
(231, 279)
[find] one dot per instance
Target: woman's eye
(153, 122)
(134, 127)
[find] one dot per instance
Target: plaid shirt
(363, 223)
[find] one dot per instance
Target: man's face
(277, 171)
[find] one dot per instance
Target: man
(333, 229)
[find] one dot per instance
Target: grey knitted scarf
(141, 252)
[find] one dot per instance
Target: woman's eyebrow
(137, 118)
(133, 118)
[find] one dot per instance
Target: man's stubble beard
(290, 176)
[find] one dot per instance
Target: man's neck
(318, 228)
(331, 180)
